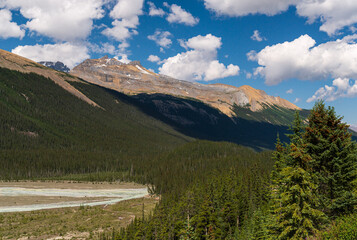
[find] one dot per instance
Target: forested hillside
(46, 131)
(310, 193)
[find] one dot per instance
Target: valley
(72, 146)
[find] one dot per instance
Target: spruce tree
(295, 209)
(334, 159)
(296, 128)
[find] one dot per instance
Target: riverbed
(32, 196)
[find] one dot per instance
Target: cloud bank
(304, 60)
(65, 20)
(341, 88)
(67, 53)
(333, 14)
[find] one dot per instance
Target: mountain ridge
(15, 62)
(133, 78)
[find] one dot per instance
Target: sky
(300, 50)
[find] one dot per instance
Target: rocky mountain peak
(134, 79)
(59, 66)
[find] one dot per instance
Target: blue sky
(296, 49)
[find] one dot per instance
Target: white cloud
(67, 53)
(126, 19)
(341, 88)
(290, 91)
(161, 38)
(200, 63)
(154, 58)
(179, 15)
(154, 11)
(257, 37)
(297, 100)
(65, 20)
(302, 59)
(122, 57)
(248, 75)
(104, 48)
(333, 14)
(9, 29)
(239, 8)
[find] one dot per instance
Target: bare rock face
(134, 79)
(58, 66)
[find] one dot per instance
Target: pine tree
(296, 215)
(296, 128)
(279, 161)
(334, 159)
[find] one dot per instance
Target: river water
(103, 197)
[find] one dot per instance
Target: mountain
(14, 62)
(134, 79)
(59, 66)
(353, 128)
(213, 112)
(47, 130)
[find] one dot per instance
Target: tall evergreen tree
(334, 159)
(296, 129)
(295, 209)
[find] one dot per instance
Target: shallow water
(111, 196)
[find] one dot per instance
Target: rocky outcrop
(134, 79)
(58, 66)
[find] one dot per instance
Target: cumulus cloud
(161, 38)
(179, 15)
(257, 37)
(297, 100)
(9, 29)
(239, 8)
(126, 19)
(199, 63)
(290, 91)
(333, 14)
(341, 88)
(67, 53)
(154, 11)
(65, 20)
(302, 59)
(154, 58)
(104, 48)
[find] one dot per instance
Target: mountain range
(134, 79)
(218, 112)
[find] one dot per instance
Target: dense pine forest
(309, 194)
(305, 189)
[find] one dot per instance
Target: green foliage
(217, 201)
(334, 159)
(295, 209)
(344, 228)
(314, 176)
(47, 132)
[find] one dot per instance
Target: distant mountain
(59, 66)
(133, 79)
(353, 127)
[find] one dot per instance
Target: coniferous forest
(305, 189)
